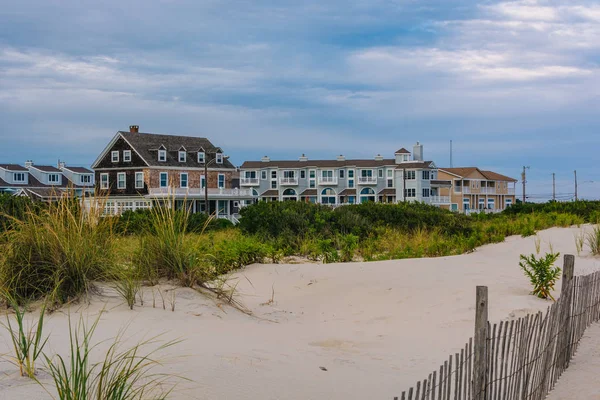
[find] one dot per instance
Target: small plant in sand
(28, 342)
(123, 374)
(593, 239)
(541, 273)
(538, 244)
(128, 286)
(579, 241)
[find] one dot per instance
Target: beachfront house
(138, 170)
(405, 177)
(471, 189)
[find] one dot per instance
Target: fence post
(567, 294)
(480, 344)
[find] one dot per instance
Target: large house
(137, 170)
(45, 182)
(471, 189)
(406, 177)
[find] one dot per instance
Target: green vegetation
(594, 240)
(541, 273)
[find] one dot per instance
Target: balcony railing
(197, 192)
(439, 199)
(327, 180)
(249, 181)
(367, 180)
(288, 181)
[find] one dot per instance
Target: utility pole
(404, 182)
(524, 179)
(576, 198)
(553, 186)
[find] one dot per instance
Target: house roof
(309, 192)
(402, 151)
(466, 171)
(34, 183)
(45, 193)
(13, 167)
(415, 164)
(348, 192)
(387, 192)
(318, 163)
(46, 168)
(148, 144)
(79, 170)
(270, 193)
(437, 182)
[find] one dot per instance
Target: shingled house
(406, 177)
(137, 170)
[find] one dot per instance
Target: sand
(336, 331)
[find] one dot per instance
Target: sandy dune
(374, 328)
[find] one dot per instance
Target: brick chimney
(134, 128)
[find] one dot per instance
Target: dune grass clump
(28, 342)
(57, 252)
(593, 240)
(123, 374)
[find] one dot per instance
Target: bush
(541, 273)
(57, 252)
(593, 239)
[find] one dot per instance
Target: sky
(511, 83)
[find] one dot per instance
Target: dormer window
(114, 156)
(162, 155)
(19, 177)
(86, 179)
(405, 157)
(126, 155)
(182, 156)
(201, 157)
(53, 178)
(219, 158)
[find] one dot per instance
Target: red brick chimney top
(134, 128)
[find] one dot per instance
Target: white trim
(19, 173)
(107, 181)
(161, 168)
(126, 155)
(224, 181)
(119, 175)
(160, 180)
(136, 180)
(203, 157)
(187, 180)
(219, 158)
(161, 152)
(114, 153)
(179, 154)
(110, 145)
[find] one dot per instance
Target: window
(164, 179)
(481, 204)
(425, 175)
(139, 180)
(86, 179)
(202, 181)
(491, 204)
(126, 155)
(390, 183)
(53, 178)
(380, 173)
(466, 203)
(390, 173)
(201, 157)
(366, 173)
(103, 181)
(219, 158)
(342, 173)
(182, 156)
(114, 156)
(19, 177)
(303, 174)
(457, 187)
(183, 180)
(425, 192)
(121, 180)
(273, 184)
(410, 175)
(328, 196)
(263, 175)
(273, 174)
(221, 181)
(350, 183)
(162, 155)
(311, 181)
(410, 192)
(350, 173)
(367, 194)
(508, 202)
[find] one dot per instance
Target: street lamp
(206, 164)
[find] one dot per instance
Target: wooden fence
(519, 359)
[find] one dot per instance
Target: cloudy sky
(511, 83)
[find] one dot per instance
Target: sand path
(374, 328)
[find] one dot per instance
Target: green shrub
(593, 240)
(541, 273)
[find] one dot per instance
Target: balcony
(288, 181)
(367, 180)
(199, 193)
(328, 180)
(249, 181)
(439, 199)
(488, 190)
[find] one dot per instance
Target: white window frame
(103, 184)
(426, 175)
(162, 155)
(410, 193)
(202, 181)
(411, 175)
(201, 157)
(137, 180)
(160, 175)
(114, 156)
(126, 155)
(187, 181)
(219, 181)
(426, 192)
(19, 180)
(57, 180)
(380, 173)
(119, 176)
(219, 157)
(263, 175)
(180, 154)
(86, 178)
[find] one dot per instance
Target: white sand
(376, 327)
